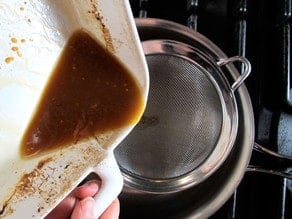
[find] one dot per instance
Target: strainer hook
(245, 73)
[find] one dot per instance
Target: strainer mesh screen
(181, 123)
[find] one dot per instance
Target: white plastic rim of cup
(32, 36)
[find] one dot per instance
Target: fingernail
(91, 182)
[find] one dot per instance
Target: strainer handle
(245, 72)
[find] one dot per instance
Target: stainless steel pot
(195, 113)
(203, 199)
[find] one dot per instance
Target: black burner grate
(261, 31)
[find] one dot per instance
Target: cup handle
(111, 183)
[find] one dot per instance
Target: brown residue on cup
(9, 59)
(14, 40)
(106, 33)
(53, 178)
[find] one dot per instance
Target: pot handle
(245, 73)
(281, 165)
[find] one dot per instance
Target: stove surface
(261, 31)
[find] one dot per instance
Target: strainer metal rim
(229, 114)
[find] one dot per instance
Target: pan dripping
(89, 92)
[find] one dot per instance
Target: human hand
(80, 205)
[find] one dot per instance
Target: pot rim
(237, 162)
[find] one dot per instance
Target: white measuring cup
(32, 36)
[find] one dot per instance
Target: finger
(63, 210)
(88, 189)
(113, 211)
(84, 209)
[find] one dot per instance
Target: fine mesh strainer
(190, 122)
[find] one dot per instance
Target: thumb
(84, 209)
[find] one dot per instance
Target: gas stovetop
(261, 31)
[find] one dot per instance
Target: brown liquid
(89, 92)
